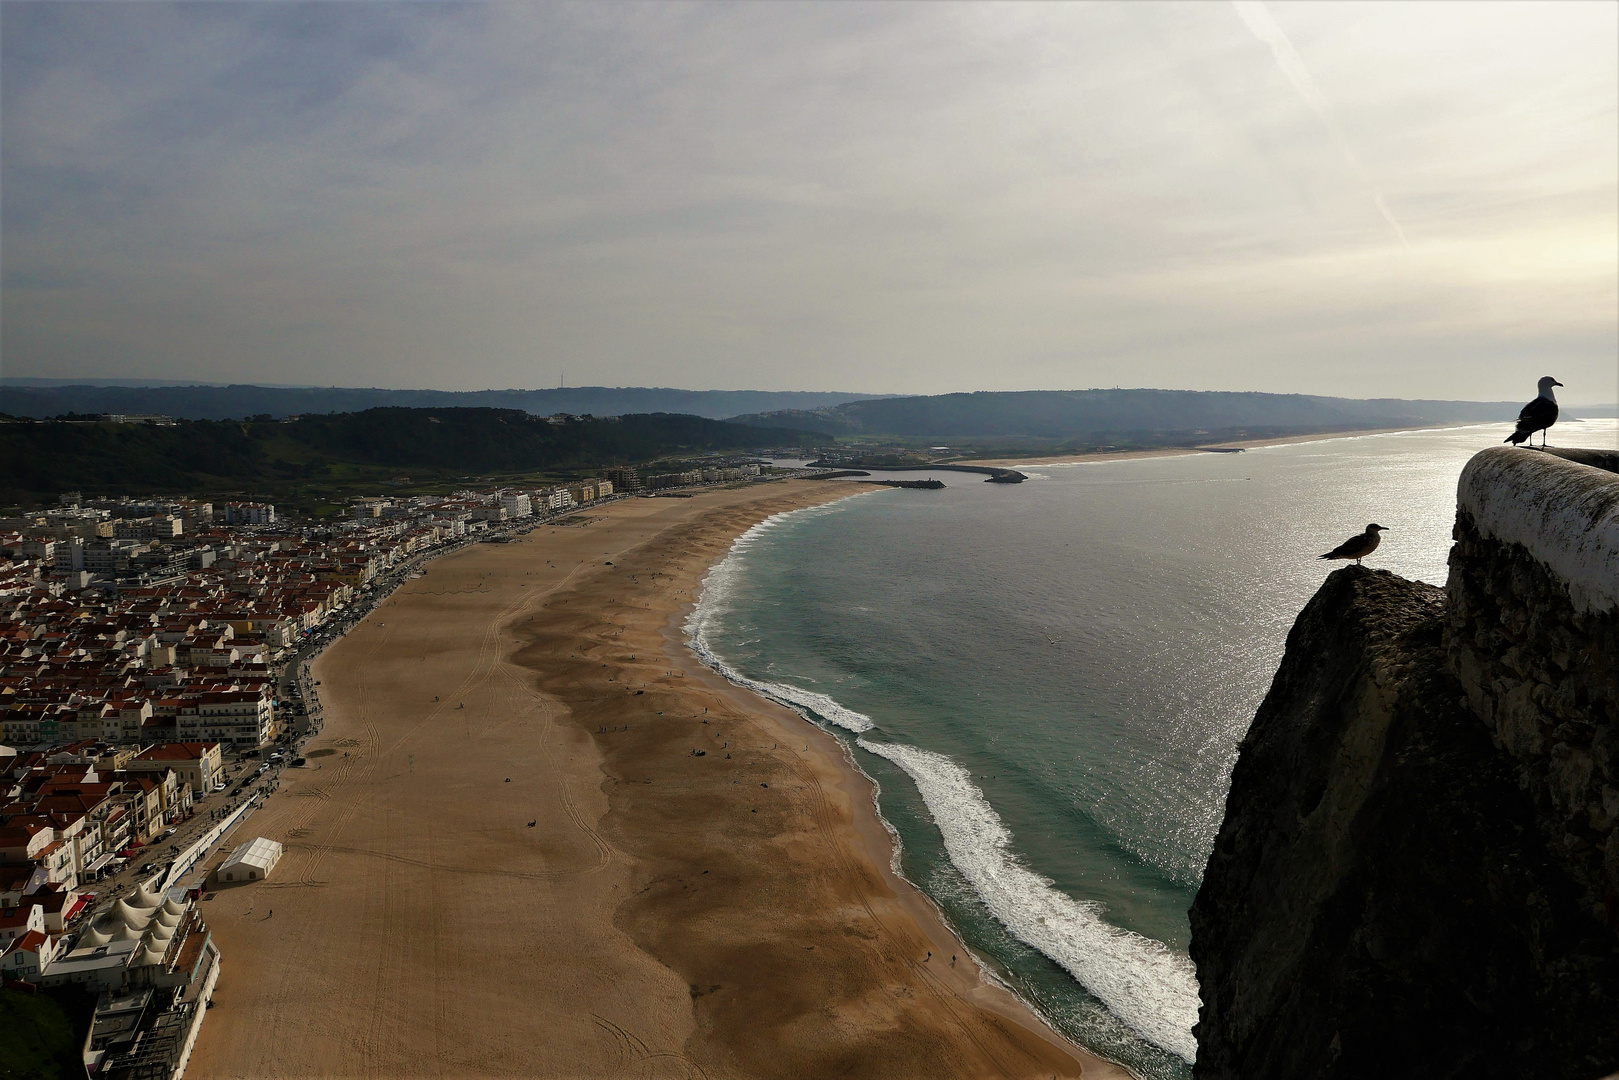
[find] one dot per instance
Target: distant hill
(41, 459)
(30, 397)
(1132, 417)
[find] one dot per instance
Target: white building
(156, 527)
(15, 922)
(68, 555)
(195, 763)
(249, 513)
(239, 717)
(516, 504)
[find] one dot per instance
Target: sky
(1359, 199)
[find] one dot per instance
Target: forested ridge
(42, 458)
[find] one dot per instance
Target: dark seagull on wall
(1538, 415)
(1357, 547)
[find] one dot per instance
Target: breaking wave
(1148, 986)
(714, 600)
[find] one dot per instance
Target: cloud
(883, 197)
(1257, 17)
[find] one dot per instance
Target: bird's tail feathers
(1516, 437)
(1328, 555)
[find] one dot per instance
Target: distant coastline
(1236, 444)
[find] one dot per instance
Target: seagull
(1357, 547)
(1538, 415)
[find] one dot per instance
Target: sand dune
(664, 915)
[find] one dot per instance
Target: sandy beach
(507, 857)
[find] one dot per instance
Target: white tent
(91, 937)
(252, 861)
(131, 916)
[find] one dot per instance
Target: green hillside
(37, 1038)
(1123, 417)
(36, 398)
(40, 459)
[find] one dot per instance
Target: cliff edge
(1415, 875)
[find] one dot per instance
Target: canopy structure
(253, 861)
(91, 937)
(132, 915)
(134, 932)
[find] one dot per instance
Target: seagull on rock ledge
(1538, 415)
(1357, 547)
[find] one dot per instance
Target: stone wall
(1381, 900)
(1532, 635)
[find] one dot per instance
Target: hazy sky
(1416, 200)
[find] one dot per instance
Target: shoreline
(505, 829)
(980, 984)
(904, 917)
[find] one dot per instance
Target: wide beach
(537, 838)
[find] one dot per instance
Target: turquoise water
(1048, 681)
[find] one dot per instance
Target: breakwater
(993, 473)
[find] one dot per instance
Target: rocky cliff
(1415, 876)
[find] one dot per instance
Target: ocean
(1048, 682)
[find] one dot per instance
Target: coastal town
(154, 684)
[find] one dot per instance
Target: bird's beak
(1556, 383)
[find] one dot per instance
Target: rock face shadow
(1418, 871)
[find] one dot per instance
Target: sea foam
(1149, 987)
(718, 585)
